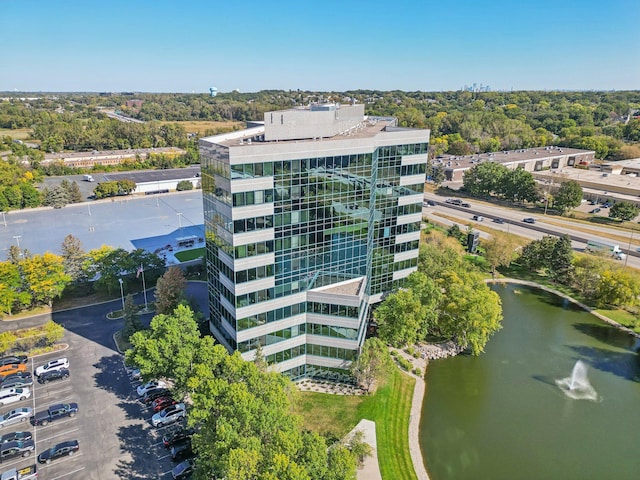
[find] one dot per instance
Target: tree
(624, 211)
(499, 250)
(400, 318)
(518, 185)
(56, 197)
(485, 178)
(569, 195)
(617, 288)
(168, 349)
(470, 311)
(372, 363)
(587, 271)
(45, 277)
(132, 322)
(561, 264)
(74, 257)
(12, 292)
(538, 254)
(170, 290)
(73, 193)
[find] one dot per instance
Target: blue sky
(189, 46)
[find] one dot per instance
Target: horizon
(336, 47)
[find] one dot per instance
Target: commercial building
(310, 218)
(530, 159)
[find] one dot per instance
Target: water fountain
(577, 386)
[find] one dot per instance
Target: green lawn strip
(623, 317)
(186, 255)
(389, 407)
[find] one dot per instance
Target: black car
(46, 377)
(12, 359)
(595, 210)
(498, 220)
(175, 435)
(529, 220)
(181, 450)
(15, 380)
(60, 450)
(154, 393)
(15, 437)
(16, 449)
(183, 470)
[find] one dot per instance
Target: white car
(142, 389)
(168, 415)
(52, 365)
(15, 416)
(10, 395)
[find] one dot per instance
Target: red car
(162, 402)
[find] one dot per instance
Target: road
(514, 224)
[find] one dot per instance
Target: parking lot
(112, 426)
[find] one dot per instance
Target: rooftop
(507, 156)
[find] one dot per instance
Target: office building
(310, 217)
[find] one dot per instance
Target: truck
(88, 178)
(25, 473)
(54, 412)
(605, 248)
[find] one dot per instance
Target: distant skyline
(169, 46)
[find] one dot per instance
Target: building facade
(310, 218)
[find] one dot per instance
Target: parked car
(25, 473)
(22, 448)
(60, 450)
(52, 365)
(606, 205)
(16, 437)
(23, 379)
(16, 415)
(47, 377)
(176, 435)
(170, 414)
(12, 368)
(142, 389)
(183, 470)
(154, 393)
(162, 402)
(13, 359)
(54, 412)
(596, 210)
(529, 220)
(181, 450)
(12, 395)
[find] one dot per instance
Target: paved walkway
(370, 469)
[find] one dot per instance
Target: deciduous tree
(624, 211)
(372, 363)
(400, 318)
(170, 290)
(499, 250)
(569, 195)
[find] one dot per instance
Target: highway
(579, 232)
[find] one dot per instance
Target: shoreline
(419, 390)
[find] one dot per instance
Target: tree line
(28, 281)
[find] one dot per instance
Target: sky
(331, 45)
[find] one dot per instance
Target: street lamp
(179, 220)
(121, 294)
(4, 219)
(17, 239)
(628, 248)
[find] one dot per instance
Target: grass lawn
(16, 133)
(203, 126)
(186, 255)
(389, 407)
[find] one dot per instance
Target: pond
(503, 416)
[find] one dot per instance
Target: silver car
(16, 415)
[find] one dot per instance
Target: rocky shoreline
(435, 351)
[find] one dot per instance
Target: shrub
(417, 372)
(184, 185)
(404, 363)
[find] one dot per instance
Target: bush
(184, 185)
(410, 350)
(417, 372)
(404, 363)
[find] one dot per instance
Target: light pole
(179, 220)
(89, 207)
(121, 294)
(4, 219)
(17, 239)
(628, 248)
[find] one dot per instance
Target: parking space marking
(58, 462)
(58, 435)
(56, 422)
(48, 403)
(69, 473)
(55, 391)
(163, 457)
(9, 463)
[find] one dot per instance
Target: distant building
(529, 159)
(311, 217)
(106, 157)
(137, 104)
